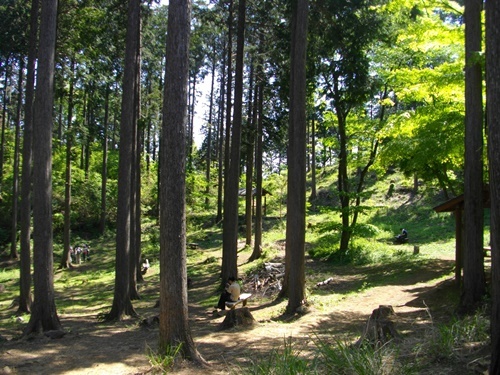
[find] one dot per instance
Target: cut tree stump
(379, 328)
(236, 318)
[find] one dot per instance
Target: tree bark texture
(493, 116)
(66, 258)
(257, 249)
(25, 236)
(230, 224)
(296, 202)
(44, 313)
(474, 278)
(122, 305)
(174, 325)
(250, 145)
(15, 177)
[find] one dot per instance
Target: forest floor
(422, 297)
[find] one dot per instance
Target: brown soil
(420, 299)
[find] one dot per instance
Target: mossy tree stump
(237, 317)
(379, 328)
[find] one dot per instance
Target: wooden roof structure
(456, 205)
(243, 192)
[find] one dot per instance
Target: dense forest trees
(397, 63)
(385, 90)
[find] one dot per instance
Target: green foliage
(195, 191)
(424, 133)
(14, 27)
(163, 362)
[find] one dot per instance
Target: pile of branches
(267, 280)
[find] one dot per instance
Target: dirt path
(94, 348)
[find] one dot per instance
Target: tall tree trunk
(257, 248)
(493, 116)
(229, 102)
(250, 143)
(343, 186)
(15, 177)
(135, 178)
(66, 258)
(44, 313)
(191, 125)
(174, 324)
(122, 304)
(149, 126)
(25, 237)
(221, 142)
(313, 195)
(5, 119)
(104, 171)
(474, 278)
(210, 126)
(296, 202)
(230, 224)
(135, 273)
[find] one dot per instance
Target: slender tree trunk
(257, 249)
(209, 136)
(135, 273)
(59, 120)
(229, 90)
(474, 278)
(493, 116)
(135, 178)
(5, 119)
(122, 305)
(25, 237)
(104, 172)
(191, 126)
(313, 196)
(221, 142)
(44, 313)
(250, 143)
(149, 126)
(343, 186)
(138, 237)
(230, 224)
(15, 177)
(66, 258)
(296, 202)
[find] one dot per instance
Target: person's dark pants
(224, 297)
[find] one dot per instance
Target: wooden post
(416, 250)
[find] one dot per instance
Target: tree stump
(237, 317)
(379, 328)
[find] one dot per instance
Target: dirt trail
(95, 348)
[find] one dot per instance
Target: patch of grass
(285, 360)
(163, 362)
(342, 358)
(444, 341)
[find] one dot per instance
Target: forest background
(385, 92)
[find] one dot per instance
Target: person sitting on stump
(403, 237)
(230, 294)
